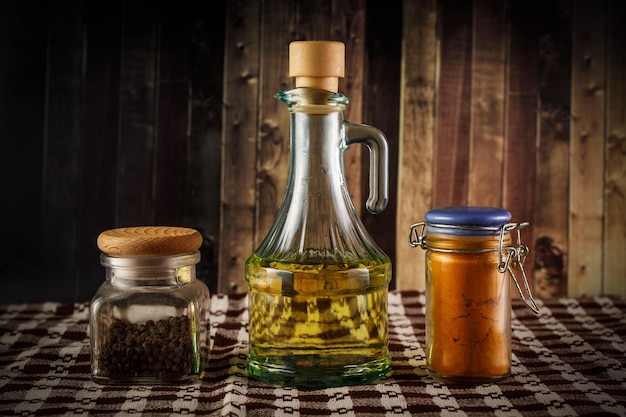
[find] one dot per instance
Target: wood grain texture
(348, 26)
(551, 207)
(239, 153)
(615, 143)
(416, 148)
(99, 167)
(62, 145)
(487, 103)
(453, 116)
(115, 114)
(138, 104)
(170, 165)
(381, 108)
(313, 21)
(521, 119)
(587, 148)
(204, 148)
(149, 241)
(272, 164)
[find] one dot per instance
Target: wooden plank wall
(116, 114)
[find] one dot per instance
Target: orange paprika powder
(468, 316)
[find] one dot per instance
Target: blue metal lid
(466, 221)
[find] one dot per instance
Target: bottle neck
(316, 169)
(317, 221)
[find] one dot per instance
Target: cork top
(149, 241)
(317, 64)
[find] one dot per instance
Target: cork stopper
(149, 241)
(317, 64)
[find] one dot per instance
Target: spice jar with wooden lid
(470, 256)
(149, 320)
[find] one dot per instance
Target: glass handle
(379, 156)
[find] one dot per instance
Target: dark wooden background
(124, 113)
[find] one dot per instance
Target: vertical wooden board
(313, 20)
(615, 217)
(59, 211)
(488, 95)
(415, 177)
(587, 149)
(521, 120)
(348, 21)
(239, 153)
(100, 115)
(381, 102)
(172, 114)
(348, 26)
(138, 92)
(273, 157)
(24, 27)
(550, 222)
(204, 147)
(453, 104)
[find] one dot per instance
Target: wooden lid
(317, 64)
(149, 241)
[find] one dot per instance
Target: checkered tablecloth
(569, 360)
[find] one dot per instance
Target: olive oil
(318, 324)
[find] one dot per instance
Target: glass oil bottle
(318, 283)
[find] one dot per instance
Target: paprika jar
(470, 256)
(149, 320)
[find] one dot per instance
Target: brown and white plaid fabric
(570, 360)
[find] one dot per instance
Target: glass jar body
(149, 321)
(468, 309)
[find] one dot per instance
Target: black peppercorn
(132, 350)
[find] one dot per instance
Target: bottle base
(315, 374)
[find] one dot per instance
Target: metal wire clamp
(509, 257)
